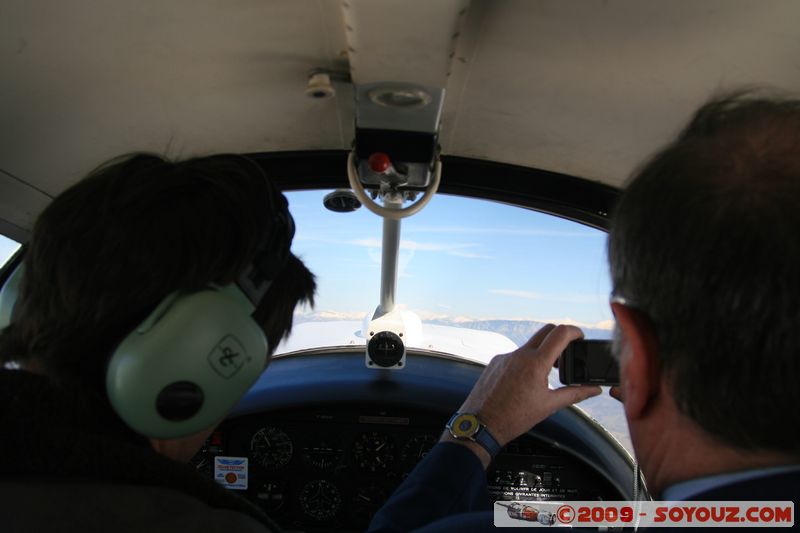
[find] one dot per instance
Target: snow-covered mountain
(519, 331)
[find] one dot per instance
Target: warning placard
(231, 472)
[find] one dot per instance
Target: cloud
(330, 315)
(404, 245)
(572, 298)
(428, 316)
(518, 294)
(510, 231)
(603, 324)
(457, 250)
(465, 250)
(469, 255)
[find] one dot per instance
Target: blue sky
(459, 257)
(7, 248)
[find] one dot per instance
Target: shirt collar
(686, 489)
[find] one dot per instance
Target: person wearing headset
(149, 299)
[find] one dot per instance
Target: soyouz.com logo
(644, 514)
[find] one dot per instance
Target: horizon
(429, 316)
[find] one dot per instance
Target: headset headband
(273, 252)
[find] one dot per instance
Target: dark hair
(706, 242)
(107, 250)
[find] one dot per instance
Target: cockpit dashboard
(327, 441)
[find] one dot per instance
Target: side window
(8, 248)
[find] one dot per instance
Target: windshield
(482, 276)
(8, 248)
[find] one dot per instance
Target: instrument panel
(333, 468)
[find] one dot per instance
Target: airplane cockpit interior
(450, 166)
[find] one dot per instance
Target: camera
(588, 362)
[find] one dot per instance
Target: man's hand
(512, 394)
(616, 393)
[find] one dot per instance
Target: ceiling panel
(582, 87)
(588, 88)
(402, 40)
(83, 81)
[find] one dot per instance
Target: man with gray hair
(704, 253)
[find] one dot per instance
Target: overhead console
(395, 157)
(397, 134)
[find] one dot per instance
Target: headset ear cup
(187, 364)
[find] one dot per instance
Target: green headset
(196, 354)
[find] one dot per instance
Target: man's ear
(639, 360)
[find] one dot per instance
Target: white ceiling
(583, 87)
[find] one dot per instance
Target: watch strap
(487, 441)
(467, 426)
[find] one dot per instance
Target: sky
(459, 257)
(7, 249)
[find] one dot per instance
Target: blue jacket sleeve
(450, 480)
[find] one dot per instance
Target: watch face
(464, 426)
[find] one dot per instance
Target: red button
(379, 162)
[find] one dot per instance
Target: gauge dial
(368, 500)
(204, 463)
(324, 453)
(320, 499)
(271, 496)
(204, 459)
(271, 447)
(417, 448)
(373, 451)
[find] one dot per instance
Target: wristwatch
(467, 426)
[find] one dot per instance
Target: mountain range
(519, 331)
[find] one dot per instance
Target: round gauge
(270, 496)
(341, 201)
(385, 349)
(204, 463)
(368, 500)
(204, 459)
(324, 453)
(271, 447)
(320, 499)
(417, 448)
(373, 451)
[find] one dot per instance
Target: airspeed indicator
(271, 447)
